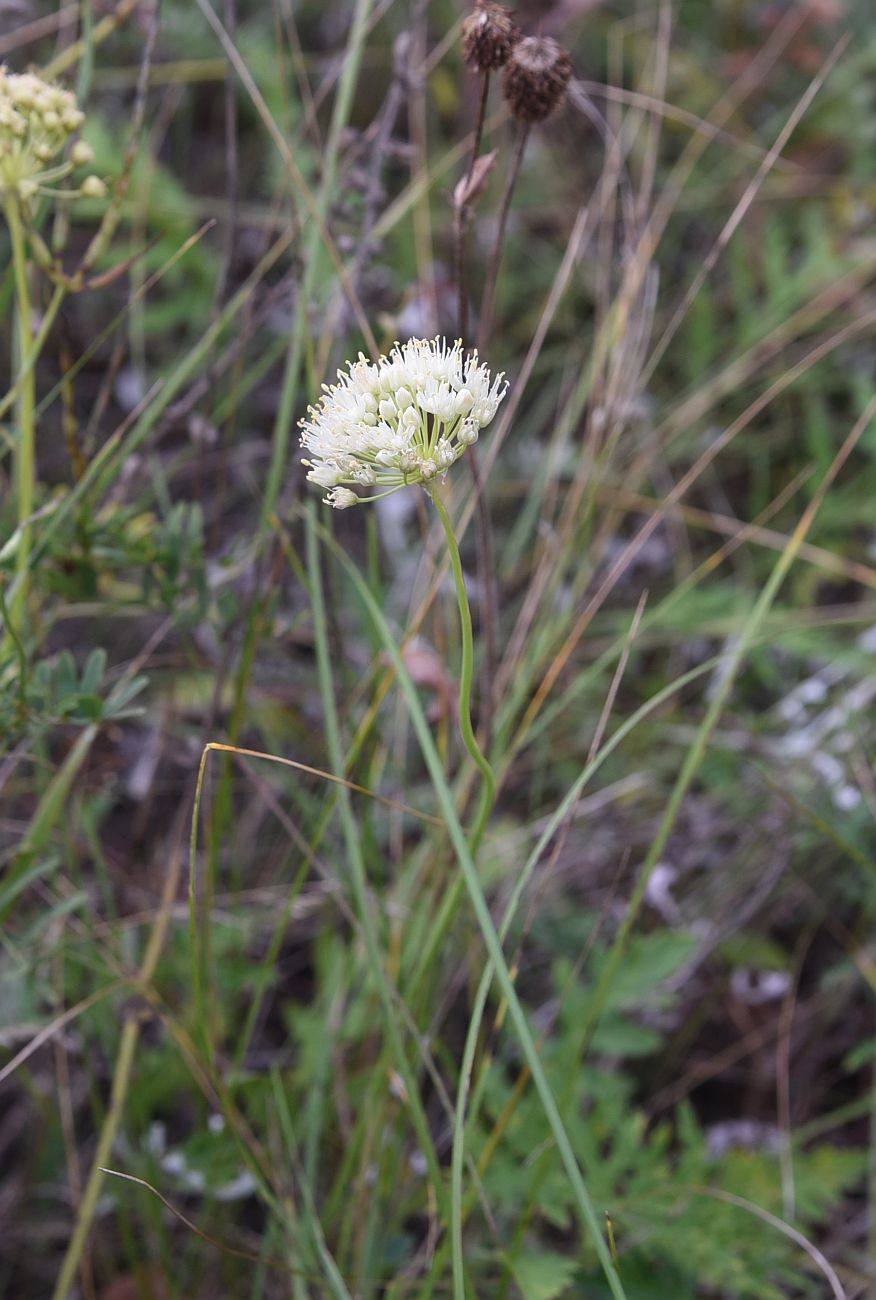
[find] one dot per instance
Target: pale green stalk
(198, 980)
(466, 674)
(25, 453)
(122, 1077)
(121, 1082)
(453, 896)
(488, 797)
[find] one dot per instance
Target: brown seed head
(536, 78)
(488, 37)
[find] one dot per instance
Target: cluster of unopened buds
(37, 123)
(401, 420)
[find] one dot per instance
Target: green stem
(488, 796)
(453, 897)
(455, 894)
(25, 456)
(488, 790)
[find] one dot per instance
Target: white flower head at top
(401, 420)
(37, 120)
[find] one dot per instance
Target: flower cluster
(36, 122)
(404, 419)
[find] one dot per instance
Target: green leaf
(92, 673)
(543, 1276)
(651, 959)
(757, 950)
(861, 1054)
(90, 707)
(619, 1037)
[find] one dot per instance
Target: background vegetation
(675, 627)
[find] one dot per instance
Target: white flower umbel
(37, 121)
(403, 419)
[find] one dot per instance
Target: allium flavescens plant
(38, 123)
(402, 420)
(405, 419)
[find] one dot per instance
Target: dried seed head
(488, 37)
(536, 78)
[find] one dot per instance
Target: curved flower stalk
(404, 419)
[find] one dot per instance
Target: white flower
(37, 120)
(403, 420)
(341, 498)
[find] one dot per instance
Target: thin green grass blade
(356, 863)
(45, 819)
(310, 1217)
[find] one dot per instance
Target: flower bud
(81, 154)
(72, 118)
(444, 454)
(93, 188)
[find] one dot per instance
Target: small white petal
(324, 476)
